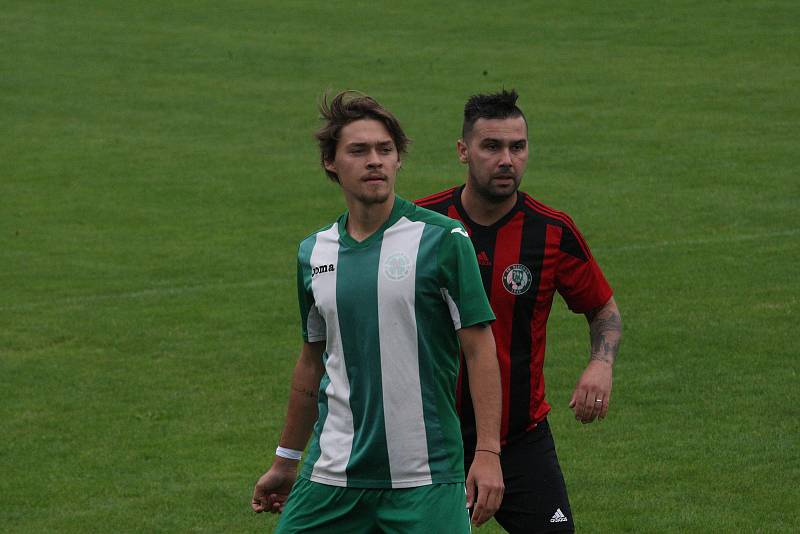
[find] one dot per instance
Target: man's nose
(505, 157)
(374, 160)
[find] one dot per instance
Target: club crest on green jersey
(517, 279)
(397, 266)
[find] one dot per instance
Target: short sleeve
(579, 279)
(311, 322)
(462, 287)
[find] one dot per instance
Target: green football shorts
(314, 507)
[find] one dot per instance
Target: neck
(364, 219)
(484, 211)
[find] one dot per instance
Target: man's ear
(463, 151)
(330, 166)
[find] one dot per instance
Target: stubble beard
(490, 194)
(377, 197)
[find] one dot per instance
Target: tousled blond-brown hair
(347, 107)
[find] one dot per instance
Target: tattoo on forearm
(307, 392)
(605, 331)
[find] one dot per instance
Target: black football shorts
(535, 498)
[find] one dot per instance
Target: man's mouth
(375, 178)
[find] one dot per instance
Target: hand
(273, 488)
(485, 477)
(592, 392)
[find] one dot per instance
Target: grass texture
(157, 170)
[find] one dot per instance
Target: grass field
(157, 170)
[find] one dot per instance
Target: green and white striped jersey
(388, 308)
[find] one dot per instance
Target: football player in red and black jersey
(527, 252)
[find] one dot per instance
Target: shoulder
(572, 241)
(433, 218)
(534, 208)
(439, 201)
(308, 242)
(313, 235)
(439, 228)
(447, 235)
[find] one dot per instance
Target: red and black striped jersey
(524, 258)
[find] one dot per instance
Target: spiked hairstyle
(500, 105)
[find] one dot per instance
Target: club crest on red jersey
(517, 279)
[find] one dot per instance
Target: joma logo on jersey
(322, 269)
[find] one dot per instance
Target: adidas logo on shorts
(558, 517)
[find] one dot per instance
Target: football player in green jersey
(388, 295)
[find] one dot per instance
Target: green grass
(157, 170)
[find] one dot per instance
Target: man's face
(366, 162)
(496, 152)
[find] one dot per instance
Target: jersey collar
(497, 224)
(401, 206)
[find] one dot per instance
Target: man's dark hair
(347, 107)
(500, 105)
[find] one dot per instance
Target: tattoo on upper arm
(605, 331)
(307, 392)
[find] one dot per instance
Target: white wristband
(289, 454)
